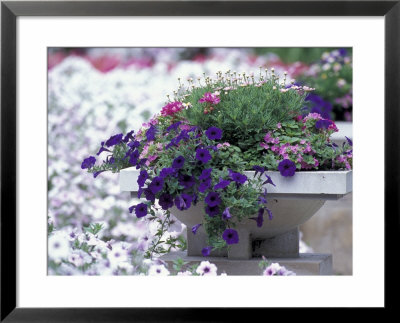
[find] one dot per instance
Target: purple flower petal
(178, 162)
(206, 251)
(203, 155)
(213, 199)
(226, 215)
(88, 162)
(214, 133)
(156, 184)
(287, 168)
(269, 180)
(222, 184)
(230, 236)
(195, 228)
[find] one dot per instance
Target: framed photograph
(155, 91)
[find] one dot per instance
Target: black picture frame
(11, 10)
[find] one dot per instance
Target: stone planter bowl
(292, 201)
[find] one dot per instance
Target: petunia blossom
(203, 155)
(230, 236)
(214, 133)
(287, 168)
(88, 162)
(210, 98)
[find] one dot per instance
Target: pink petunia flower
(210, 98)
(268, 138)
(275, 148)
(171, 108)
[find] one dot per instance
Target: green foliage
(93, 228)
(295, 54)
(163, 243)
(264, 263)
(246, 110)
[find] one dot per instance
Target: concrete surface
(305, 265)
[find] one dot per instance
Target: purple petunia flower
(342, 51)
(230, 236)
(140, 210)
(165, 201)
(318, 105)
(133, 158)
(205, 184)
(183, 202)
(206, 251)
(213, 199)
(187, 181)
(262, 200)
(156, 184)
(102, 149)
(114, 140)
(222, 184)
(259, 169)
(226, 215)
(206, 173)
(260, 218)
(172, 143)
(270, 216)
(141, 162)
(142, 178)
(150, 196)
(269, 180)
(95, 174)
(214, 133)
(134, 144)
(212, 210)
(151, 133)
(178, 162)
(174, 126)
(194, 199)
(323, 124)
(182, 136)
(166, 172)
(110, 160)
(203, 155)
(195, 228)
(128, 136)
(239, 178)
(287, 167)
(88, 162)
(349, 141)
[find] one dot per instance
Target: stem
(160, 236)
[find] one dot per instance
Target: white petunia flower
(206, 269)
(58, 246)
(158, 270)
(277, 270)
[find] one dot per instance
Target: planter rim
(304, 184)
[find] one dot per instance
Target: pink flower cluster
(151, 151)
(344, 159)
(317, 117)
(288, 151)
(171, 108)
(210, 98)
(221, 146)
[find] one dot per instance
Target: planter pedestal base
(305, 265)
